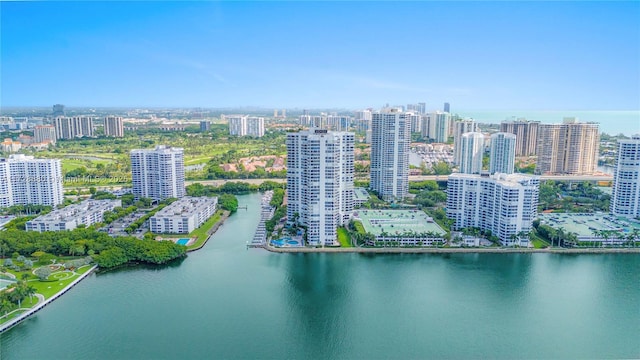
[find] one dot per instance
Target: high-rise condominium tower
(58, 110)
(390, 139)
(503, 153)
(526, 135)
(568, 148)
(320, 173)
(416, 121)
(43, 133)
(73, 127)
(27, 180)
(461, 127)
(504, 204)
(435, 126)
(113, 126)
(625, 198)
(243, 125)
(158, 174)
(471, 152)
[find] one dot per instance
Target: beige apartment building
(569, 148)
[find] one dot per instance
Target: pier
(266, 213)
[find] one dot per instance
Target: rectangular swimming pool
(183, 241)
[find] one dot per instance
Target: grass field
(201, 232)
(47, 288)
(538, 242)
(50, 288)
(72, 164)
(359, 227)
(344, 238)
(197, 160)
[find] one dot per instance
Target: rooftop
(72, 212)
(186, 206)
(584, 224)
(361, 194)
(397, 222)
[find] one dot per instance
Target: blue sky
(476, 55)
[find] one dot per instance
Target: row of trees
(277, 201)
(110, 216)
(136, 224)
(568, 197)
(29, 209)
(107, 251)
(563, 238)
(215, 171)
(231, 187)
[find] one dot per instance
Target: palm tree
(606, 235)
(29, 290)
(635, 235)
(561, 235)
(572, 238)
(513, 238)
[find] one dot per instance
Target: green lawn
(46, 288)
(359, 227)
(344, 238)
(201, 232)
(50, 288)
(13, 315)
(538, 242)
(71, 164)
(197, 160)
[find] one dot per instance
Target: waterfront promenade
(41, 304)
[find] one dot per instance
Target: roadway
(418, 178)
(411, 178)
(543, 177)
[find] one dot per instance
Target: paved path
(40, 300)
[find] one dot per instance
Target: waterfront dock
(266, 213)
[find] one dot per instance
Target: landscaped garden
(32, 279)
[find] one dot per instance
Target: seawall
(15, 321)
(452, 250)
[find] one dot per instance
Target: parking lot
(117, 227)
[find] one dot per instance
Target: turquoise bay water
(611, 122)
(225, 301)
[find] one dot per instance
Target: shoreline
(20, 318)
(451, 250)
(212, 231)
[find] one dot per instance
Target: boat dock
(266, 213)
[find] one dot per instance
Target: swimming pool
(286, 242)
(277, 242)
(183, 241)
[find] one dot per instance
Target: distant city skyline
(499, 55)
